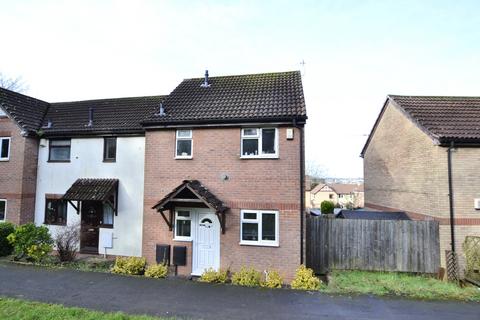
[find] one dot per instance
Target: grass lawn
(398, 284)
(11, 309)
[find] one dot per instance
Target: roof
(91, 189)
(445, 119)
(26, 111)
(116, 115)
(372, 215)
(199, 192)
(246, 98)
(340, 188)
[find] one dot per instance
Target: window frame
(47, 199)
(5, 213)
(189, 138)
(105, 152)
(259, 137)
(9, 148)
(189, 218)
(258, 220)
(107, 225)
(50, 149)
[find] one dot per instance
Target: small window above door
(110, 149)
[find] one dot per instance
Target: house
(422, 157)
(191, 178)
(372, 215)
(345, 195)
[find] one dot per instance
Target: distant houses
(343, 195)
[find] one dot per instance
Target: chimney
(205, 84)
(90, 117)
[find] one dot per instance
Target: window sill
(258, 244)
(5, 160)
(55, 224)
(58, 161)
(110, 161)
(184, 158)
(259, 157)
(182, 239)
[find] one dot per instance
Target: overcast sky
(355, 53)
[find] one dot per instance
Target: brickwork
(405, 170)
(251, 184)
(18, 175)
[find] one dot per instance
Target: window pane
(268, 141)
(107, 214)
(250, 231)
(64, 143)
(4, 150)
(2, 210)
(61, 211)
(183, 228)
(249, 215)
(250, 132)
(250, 147)
(60, 153)
(268, 226)
(110, 148)
(184, 148)
(184, 133)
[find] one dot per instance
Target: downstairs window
(259, 228)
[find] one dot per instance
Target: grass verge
(398, 284)
(11, 309)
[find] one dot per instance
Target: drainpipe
(450, 194)
(302, 185)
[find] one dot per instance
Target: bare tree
(315, 170)
(13, 84)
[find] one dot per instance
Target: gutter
(302, 185)
(450, 149)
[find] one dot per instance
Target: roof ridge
(428, 96)
(21, 94)
(245, 74)
(105, 99)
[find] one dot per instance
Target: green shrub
(213, 276)
(305, 279)
(129, 265)
(327, 207)
(248, 277)
(273, 279)
(30, 241)
(6, 247)
(157, 271)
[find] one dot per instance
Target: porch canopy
(191, 193)
(104, 190)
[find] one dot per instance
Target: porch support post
(167, 221)
(221, 218)
(76, 207)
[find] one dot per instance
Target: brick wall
(405, 170)
(18, 175)
(252, 184)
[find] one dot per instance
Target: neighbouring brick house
(213, 171)
(346, 195)
(406, 163)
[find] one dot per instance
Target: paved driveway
(193, 300)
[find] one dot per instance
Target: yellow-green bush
(305, 279)
(273, 279)
(248, 277)
(130, 265)
(157, 271)
(213, 276)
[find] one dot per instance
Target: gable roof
(25, 111)
(118, 115)
(340, 188)
(245, 98)
(444, 119)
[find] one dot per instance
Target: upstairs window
(183, 149)
(259, 228)
(3, 209)
(110, 149)
(4, 148)
(55, 212)
(59, 150)
(259, 143)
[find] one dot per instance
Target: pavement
(186, 299)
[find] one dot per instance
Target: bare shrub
(67, 240)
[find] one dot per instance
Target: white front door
(206, 243)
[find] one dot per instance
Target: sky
(355, 53)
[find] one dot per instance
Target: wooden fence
(380, 245)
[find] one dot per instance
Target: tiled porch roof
(91, 190)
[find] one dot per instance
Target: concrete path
(193, 300)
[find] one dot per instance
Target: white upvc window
(183, 144)
(183, 225)
(4, 148)
(259, 143)
(259, 228)
(3, 209)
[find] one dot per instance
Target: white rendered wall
(87, 162)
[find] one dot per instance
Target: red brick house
(221, 180)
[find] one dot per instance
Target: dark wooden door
(92, 212)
